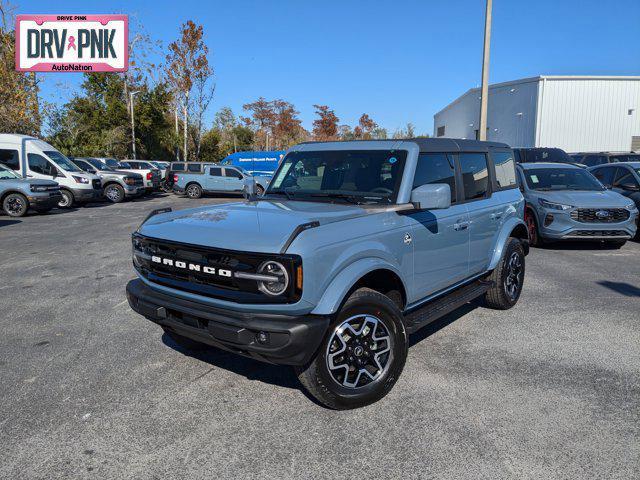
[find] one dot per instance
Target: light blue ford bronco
(352, 247)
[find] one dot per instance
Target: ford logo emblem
(602, 214)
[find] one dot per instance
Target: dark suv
(591, 159)
(547, 155)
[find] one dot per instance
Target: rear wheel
(67, 199)
(507, 278)
(16, 205)
(362, 354)
(194, 191)
(114, 193)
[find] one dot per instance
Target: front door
(440, 237)
(233, 180)
(40, 167)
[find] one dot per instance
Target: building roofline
(538, 79)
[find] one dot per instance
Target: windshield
(99, 165)
(157, 165)
(6, 174)
(625, 158)
(248, 174)
(63, 162)
(145, 166)
(561, 179)
(123, 165)
(362, 176)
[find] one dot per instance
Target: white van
(44, 161)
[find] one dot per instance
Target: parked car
(150, 174)
(117, 185)
(163, 168)
(623, 178)
(45, 162)
(184, 167)
(18, 194)
(534, 155)
(591, 159)
(354, 246)
(216, 179)
(565, 202)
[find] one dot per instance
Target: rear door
(626, 184)
(484, 213)
(213, 179)
(440, 237)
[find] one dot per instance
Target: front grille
(53, 188)
(600, 215)
(138, 182)
(97, 184)
(215, 285)
(600, 233)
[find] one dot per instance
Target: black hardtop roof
(440, 144)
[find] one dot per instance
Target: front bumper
(133, 191)
(563, 227)
(291, 340)
(44, 200)
(86, 194)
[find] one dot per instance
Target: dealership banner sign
(72, 43)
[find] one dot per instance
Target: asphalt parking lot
(89, 389)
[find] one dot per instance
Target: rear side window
(193, 167)
(179, 167)
(435, 168)
(593, 160)
(39, 164)
(625, 179)
(605, 175)
(228, 172)
(9, 158)
(505, 169)
(475, 175)
(215, 172)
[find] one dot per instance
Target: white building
(575, 113)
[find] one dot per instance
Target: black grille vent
(600, 215)
(97, 184)
(600, 233)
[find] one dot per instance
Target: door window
(605, 175)
(593, 160)
(475, 175)
(39, 164)
(229, 172)
(9, 158)
(505, 169)
(193, 167)
(215, 172)
(625, 180)
(435, 168)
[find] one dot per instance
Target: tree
(187, 63)
(326, 126)
(407, 132)
(379, 133)
(345, 133)
(261, 120)
(287, 128)
(365, 128)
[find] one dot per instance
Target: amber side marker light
(299, 277)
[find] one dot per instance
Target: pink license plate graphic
(72, 43)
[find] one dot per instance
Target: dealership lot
(90, 389)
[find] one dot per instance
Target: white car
(150, 174)
(45, 162)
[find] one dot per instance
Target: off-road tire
(193, 190)
(497, 296)
(114, 193)
(316, 377)
(67, 199)
(15, 205)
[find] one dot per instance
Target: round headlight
(275, 269)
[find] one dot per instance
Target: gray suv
(18, 194)
(117, 185)
(352, 247)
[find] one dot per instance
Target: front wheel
(16, 205)
(67, 199)
(535, 240)
(114, 193)
(362, 354)
(259, 190)
(194, 191)
(507, 278)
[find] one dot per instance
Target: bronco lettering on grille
(195, 267)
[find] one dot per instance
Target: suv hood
(263, 226)
(32, 181)
(585, 199)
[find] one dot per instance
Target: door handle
(461, 226)
(496, 216)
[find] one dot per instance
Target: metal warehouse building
(575, 113)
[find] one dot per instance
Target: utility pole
(133, 124)
(482, 132)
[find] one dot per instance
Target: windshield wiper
(356, 199)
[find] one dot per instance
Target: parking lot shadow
(279, 375)
(442, 322)
(578, 245)
(4, 223)
(622, 288)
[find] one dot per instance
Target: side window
(605, 175)
(215, 172)
(39, 164)
(625, 179)
(593, 160)
(505, 169)
(475, 175)
(178, 167)
(435, 168)
(193, 167)
(133, 166)
(9, 158)
(229, 172)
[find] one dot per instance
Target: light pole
(133, 124)
(482, 134)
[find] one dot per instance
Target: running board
(439, 307)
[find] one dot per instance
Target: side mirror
(249, 189)
(431, 197)
(630, 188)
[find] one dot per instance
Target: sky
(398, 61)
